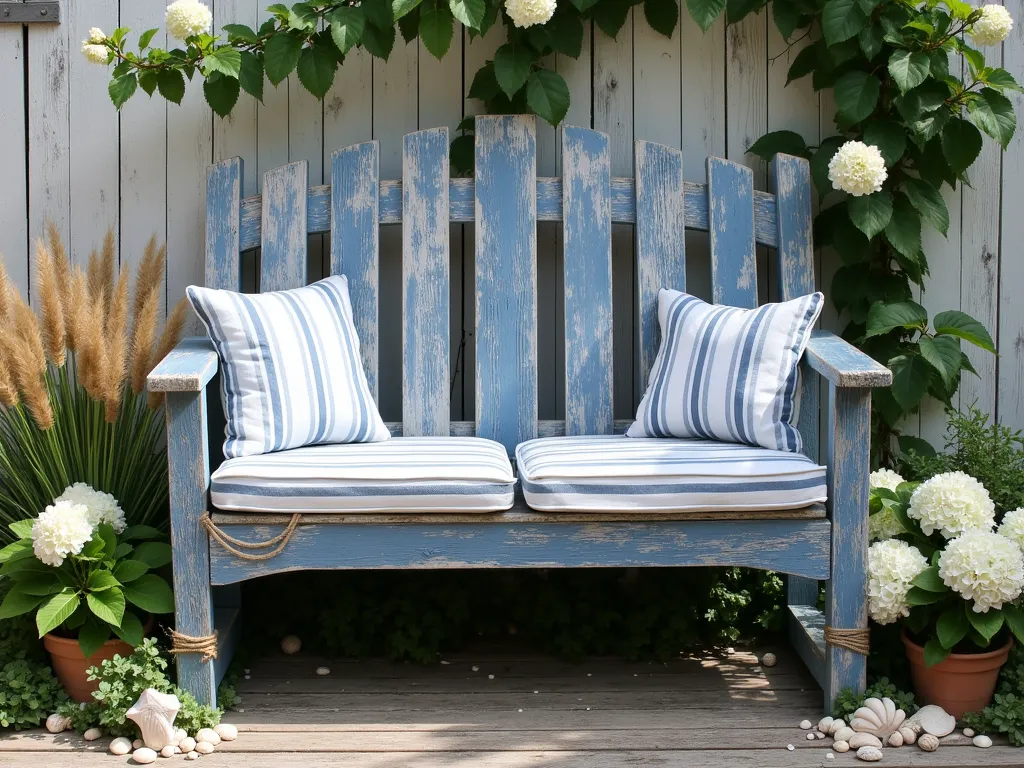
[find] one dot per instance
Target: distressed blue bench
(506, 200)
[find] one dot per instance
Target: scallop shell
(154, 713)
(869, 754)
(928, 742)
(934, 720)
(879, 717)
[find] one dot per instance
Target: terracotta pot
(962, 682)
(69, 663)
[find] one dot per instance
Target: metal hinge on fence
(32, 12)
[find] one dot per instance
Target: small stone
(983, 741)
(520, 710)
(536, 691)
(968, 732)
(177, 750)
(844, 734)
(790, 747)
(769, 660)
(92, 734)
(475, 668)
(589, 675)
(869, 754)
(248, 677)
(226, 732)
(179, 734)
(895, 739)
(193, 755)
(120, 746)
(829, 756)
(204, 747)
(841, 746)
(490, 677)
(909, 734)
(819, 735)
(57, 723)
(825, 723)
(137, 743)
(859, 740)
(208, 735)
(167, 751)
(837, 725)
(811, 737)
(928, 742)
(323, 671)
(805, 725)
(290, 644)
(445, 663)
(144, 755)
(187, 744)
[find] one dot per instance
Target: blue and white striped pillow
(291, 374)
(729, 374)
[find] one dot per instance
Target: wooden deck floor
(713, 711)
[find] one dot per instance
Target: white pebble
(209, 735)
(92, 734)
(790, 747)
(226, 732)
(323, 671)
(520, 710)
(445, 663)
(57, 723)
(810, 737)
(536, 691)
(290, 644)
(819, 735)
(187, 744)
(177, 750)
(179, 734)
(841, 746)
(829, 756)
(589, 674)
(983, 741)
(769, 660)
(120, 746)
(968, 732)
(167, 751)
(490, 677)
(240, 710)
(193, 755)
(805, 725)
(475, 668)
(143, 755)
(869, 754)
(248, 677)
(137, 743)
(204, 747)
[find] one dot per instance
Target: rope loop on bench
(236, 546)
(856, 640)
(207, 645)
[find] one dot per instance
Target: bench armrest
(187, 368)
(843, 364)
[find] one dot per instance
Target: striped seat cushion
(724, 373)
(291, 370)
(613, 473)
(403, 474)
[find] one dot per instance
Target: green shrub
(29, 693)
(1006, 713)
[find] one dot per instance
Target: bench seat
(403, 474)
(614, 473)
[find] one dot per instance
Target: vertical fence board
(284, 264)
(14, 193)
(731, 231)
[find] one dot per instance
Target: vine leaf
(436, 29)
(379, 42)
(929, 580)
(934, 653)
(704, 12)
(548, 95)
(250, 75)
(928, 202)
(955, 323)
(610, 15)
(769, 145)
(107, 605)
(92, 635)
(281, 56)
(347, 25)
(841, 20)
(986, 624)
(317, 65)
(56, 611)
(512, 65)
(469, 12)
(121, 88)
(909, 385)
(225, 59)
(883, 317)
(943, 354)
(856, 95)
(485, 85)
(909, 68)
(401, 7)
(993, 113)
(904, 228)
(889, 136)
(803, 63)
(171, 84)
(870, 213)
(662, 15)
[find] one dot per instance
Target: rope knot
(856, 640)
(207, 646)
(237, 546)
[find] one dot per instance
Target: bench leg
(188, 466)
(849, 434)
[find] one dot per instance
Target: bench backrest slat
(426, 400)
(506, 279)
(660, 239)
(283, 260)
(223, 225)
(355, 242)
(587, 238)
(731, 233)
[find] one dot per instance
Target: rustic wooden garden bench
(506, 200)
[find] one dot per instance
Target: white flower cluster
(62, 530)
(883, 524)
(97, 54)
(1012, 527)
(952, 503)
(526, 13)
(892, 565)
(102, 507)
(984, 567)
(185, 18)
(96, 35)
(857, 168)
(993, 27)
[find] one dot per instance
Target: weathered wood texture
(715, 710)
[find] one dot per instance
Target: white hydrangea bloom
(102, 507)
(62, 530)
(1012, 527)
(857, 168)
(885, 478)
(96, 35)
(993, 27)
(952, 503)
(526, 13)
(984, 567)
(892, 565)
(883, 524)
(185, 18)
(97, 54)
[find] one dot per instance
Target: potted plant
(942, 568)
(87, 576)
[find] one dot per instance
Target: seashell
(895, 739)
(825, 723)
(120, 746)
(291, 644)
(57, 723)
(769, 660)
(837, 724)
(878, 716)
(193, 755)
(154, 713)
(92, 734)
(143, 755)
(844, 733)
(226, 732)
(805, 724)
(859, 740)
(983, 741)
(167, 751)
(909, 734)
(929, 742)
(869, 754)
(204, 747)
(968, 732)
(137, 743)
(841, 746)
(187, 744)
(934, 720)
(208, 735)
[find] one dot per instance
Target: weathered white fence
(67, 155)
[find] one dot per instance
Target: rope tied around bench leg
(207, 645)
(856, 640)
(237, 547)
